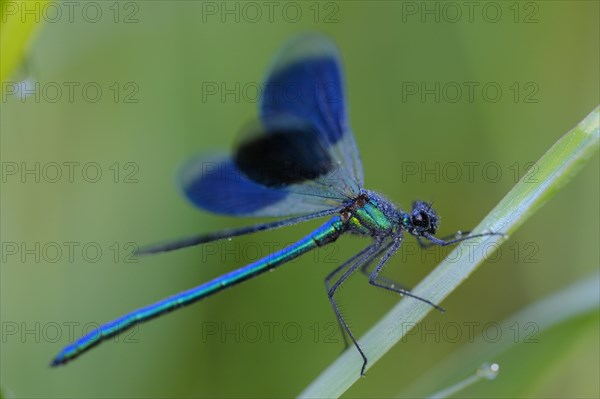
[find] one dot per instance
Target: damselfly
(299, 159)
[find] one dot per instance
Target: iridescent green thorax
(373, 218)
(369, 215)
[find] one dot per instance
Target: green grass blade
(577, 299)
(554, 169)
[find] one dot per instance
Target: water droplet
(488, 371)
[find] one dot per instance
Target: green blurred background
(161, 54)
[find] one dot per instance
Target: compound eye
(421, 219)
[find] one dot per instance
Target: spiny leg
(442, 242)
(380, 281)
(344, 266)
(365, 270)
(375, 280)
(369, 254)
(336, 271)
(458, 234)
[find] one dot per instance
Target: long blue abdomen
(325, 234)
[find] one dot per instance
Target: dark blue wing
(286, 153)
(218, 185)
(301, 158)
(306, 83)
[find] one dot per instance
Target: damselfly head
(422, 219)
